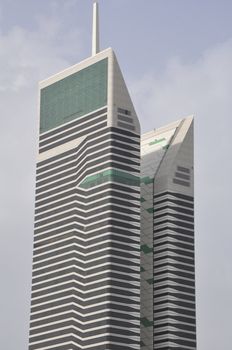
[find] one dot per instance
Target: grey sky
(176, 56)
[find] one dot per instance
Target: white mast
(95, 33)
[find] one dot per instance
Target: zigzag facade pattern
(168, 318)
(86, 260)
(174, 272)
(95, 285)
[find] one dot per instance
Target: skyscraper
(86, 257)
(167, 238)
(95, 285)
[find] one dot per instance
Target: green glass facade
(110, 175)
(74, 96)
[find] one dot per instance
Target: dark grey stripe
(97, 293)
(73, 137)
(65, 323)
(182, 176)
(125, 119)
(174, 194)
(181, 182)
(96, 285)
(55, 208)
(126, 126)
(72, 131)
(75, 123)
(183, 169)
(111, 338)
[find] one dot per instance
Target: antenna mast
(95, 33)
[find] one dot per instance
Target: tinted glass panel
(74, 96)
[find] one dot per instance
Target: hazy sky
(176, 56)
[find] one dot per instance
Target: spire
(95, 34)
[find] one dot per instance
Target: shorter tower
(167, 238)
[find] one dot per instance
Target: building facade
(86, 257)
(167, 238)
(113, 255)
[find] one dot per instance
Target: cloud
(29, 56)
(186, 88)
(203, 88)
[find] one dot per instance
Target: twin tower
(113, 258)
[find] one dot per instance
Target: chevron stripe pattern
(174, 272)
(86, 257)
(168, 319)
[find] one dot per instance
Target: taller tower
(86, 259)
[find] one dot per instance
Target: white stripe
(135, 291)
(89, 283)
(109, 269)
(107, 308)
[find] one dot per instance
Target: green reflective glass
(150, 281)
(74, 96)
(145, 249)
(110, 175)
(147, 180)
(146, 323)
(156, 141)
